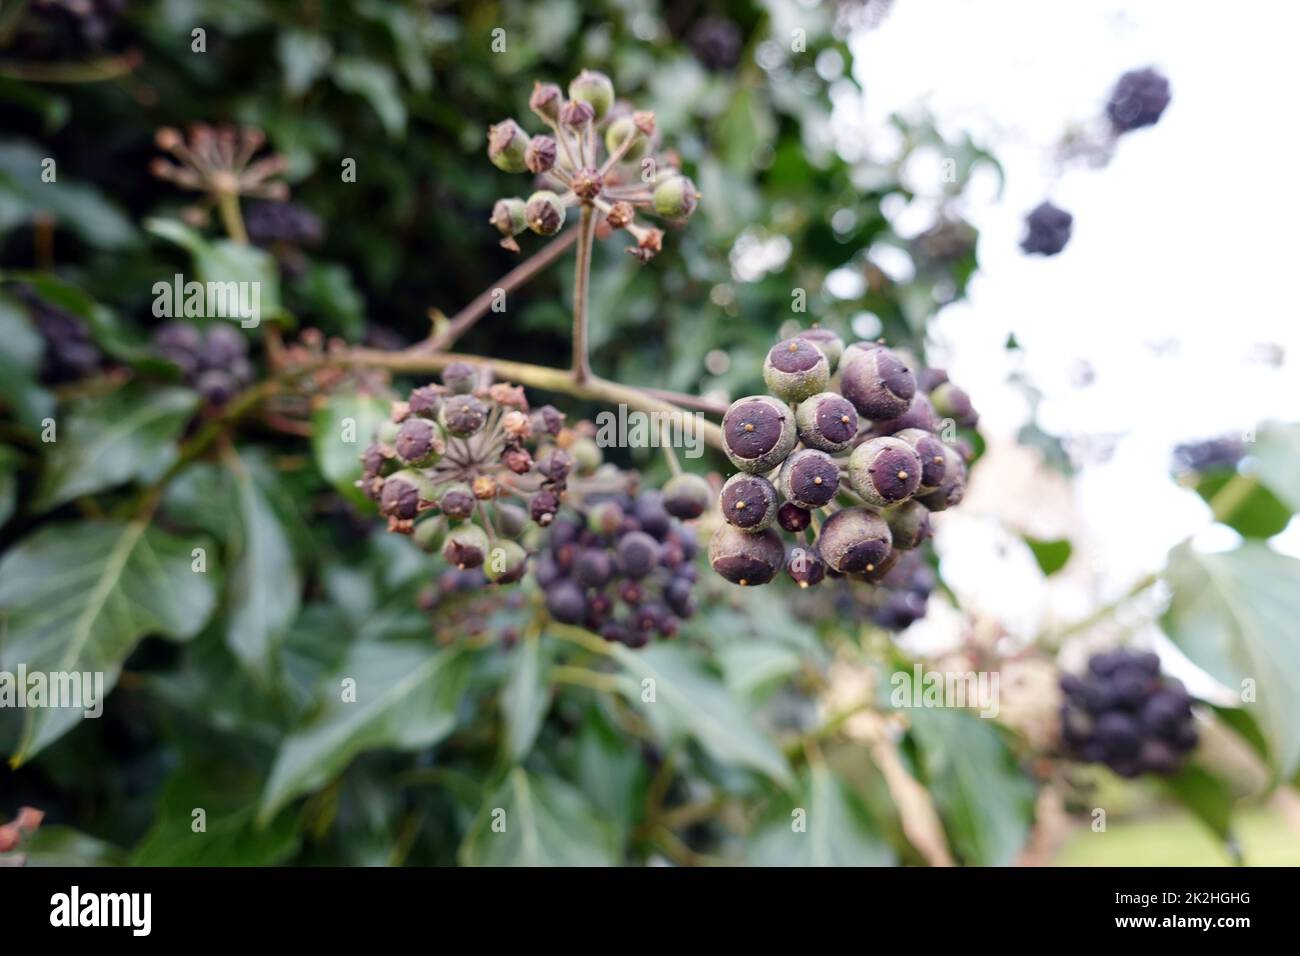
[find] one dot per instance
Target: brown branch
(464, 320)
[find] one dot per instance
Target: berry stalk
(581, 293)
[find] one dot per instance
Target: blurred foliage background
(226, 696)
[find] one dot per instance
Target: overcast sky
(1183, 247)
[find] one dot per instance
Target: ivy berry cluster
(844, 455)
(622, 567)
(599, 153)
(1123, 713)
(214, 362)
(466, 466)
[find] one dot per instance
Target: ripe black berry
(810, 478)
(748, 502)
(687, 496)
(884, 471)
(758, 432)
(806, 567)
(877, 382)
(1124, 714)
(743, 558)
(566, 603)
(854, 540)
(637, 554)
(1048, 230)
(1139, 99)
(793, 518)
(827, 421)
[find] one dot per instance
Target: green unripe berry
(386, 434)
(854, 540)
(507, 145)
(884, 471)
(595, 89)
(605, 518)
(506, 562)
(621, 129)
(546, 100)
(587, 456)
(508, 216)
(676, 198)
(810, 478)
(544, 213)
(466, 546)
(430, 533)
(749, 502)
(909, 524)
(757, 433)
(687, 496)
(743, 558)
(952, 402)
(796, 369)
(827, 421)
(511, 519)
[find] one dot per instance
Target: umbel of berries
(846, 456)
(1047, 230)
(465, 467)
(621, 566)
(598, 154)
(1139, 99)
(213, 362)
(1125, 714)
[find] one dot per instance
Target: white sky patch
(1182, 251)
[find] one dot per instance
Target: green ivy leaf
(79, 597)
(985, 800)
(341, 430)
(689, 698)
(532, 820)
(227, 795)
(1277, 461)
(377, 85)
(112, 439)
(833, 829)
(612, 775)
(1234, 614)
(1050, 555)
(525, 698)
(225, 260)
(21, 349)
(1260, 514)
(406, 698)
(63, 846)
(303, 57)
(1208, 798)
(264, 581)
(9, 461)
